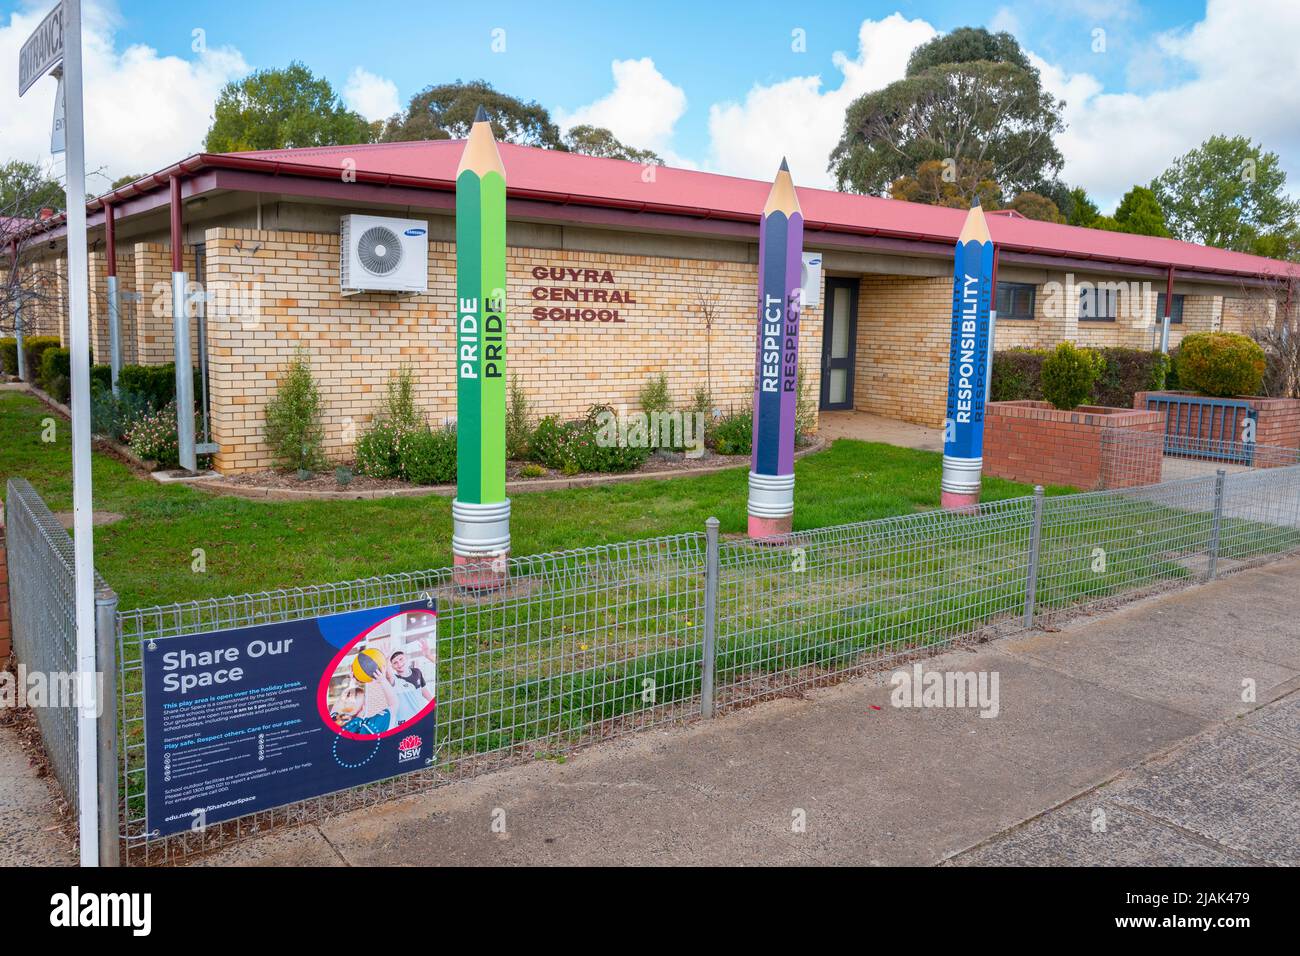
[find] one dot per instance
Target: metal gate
(1222, 429)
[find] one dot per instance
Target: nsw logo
(409, 748)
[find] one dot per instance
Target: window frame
(1112, 298)
(1015, 290)
(1175, 316)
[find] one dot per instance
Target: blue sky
(703, 82)
(559, 54)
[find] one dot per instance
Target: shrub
(598, 450)
(1221, 364)
(379, 449)
(153, 437)
(654, 395)
(9, 356)
(377, 453)
(553, 445)
(805, 409)
(1125, 372)
(1017, 375)
(531, 470)
(519, 425)
(733, 434)
(428, 456)
(114, 415)
(35, 346)
(575, 446)
(293, 426)
(1069, 374)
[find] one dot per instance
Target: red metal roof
(570, 178)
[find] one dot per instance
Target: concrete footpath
(1128, 738)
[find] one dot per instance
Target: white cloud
(1241, 64)
(641, 110)
(374, 97)
(796, 118)
(142, 111)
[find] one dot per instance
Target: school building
(617, 272)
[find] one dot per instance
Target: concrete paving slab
(1069, 836)
(872, 786)
(30, 832)
(1280, 719)
(1233, 787)
(1190, 650)
(301, 846)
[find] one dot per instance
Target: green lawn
(256, 546)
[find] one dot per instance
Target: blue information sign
(252, 718)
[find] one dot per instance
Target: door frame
(850, 363)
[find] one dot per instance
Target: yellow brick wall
(152, 278)
(355, 343)
(99, 306)
(902, 347)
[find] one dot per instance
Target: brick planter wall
(5, 633)
(1278, 423)
(1090, 447)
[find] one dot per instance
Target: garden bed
(283, 485)
(1089, 447)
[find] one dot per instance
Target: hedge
(1017, 375)
(34, 346)
(1221, 364)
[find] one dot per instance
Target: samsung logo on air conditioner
(414, 232)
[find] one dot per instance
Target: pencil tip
(974, 203)
(481, 115)
(785, 167)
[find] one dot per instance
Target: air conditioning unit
(382, 254)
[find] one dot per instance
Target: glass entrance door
(839, 343)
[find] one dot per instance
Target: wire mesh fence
(585, 645)
(43, 618)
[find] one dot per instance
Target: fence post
(1035, 543)
(710, 615)
(108, 765)
(1219, 478)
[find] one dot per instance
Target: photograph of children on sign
(253, 718)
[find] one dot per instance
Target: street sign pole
(59, 37)
(83, 513)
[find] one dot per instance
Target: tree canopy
(25, 189)
(969, 96)
(598, 141)
(1034, 205)
(1228, 192)
(280, 109)
(446, 111)
(940, 184)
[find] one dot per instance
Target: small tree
(1069, 374)
(519, 422)
(293, 424)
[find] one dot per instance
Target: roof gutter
(276, 167)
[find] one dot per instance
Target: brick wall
(152, 278)
(1277, 424)
(99, 305)
(355, 343)
(1085, 448)
(902, 347)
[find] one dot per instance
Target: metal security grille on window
(380, 250)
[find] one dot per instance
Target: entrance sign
(58, 136)
(42, 50)
(480, 512)
(968, 363)
(776, 361)
(253, 718)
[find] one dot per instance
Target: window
(1176, 316)
(1015, 300)
(1097, 304)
